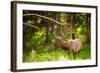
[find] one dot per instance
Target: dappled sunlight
(42, 29)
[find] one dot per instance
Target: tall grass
(49, 53)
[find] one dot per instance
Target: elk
(72, 45)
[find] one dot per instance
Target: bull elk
(72, 45)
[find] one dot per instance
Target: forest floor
(49, 53)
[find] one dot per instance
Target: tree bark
(58, 26)
(88, 28)
(73, 26)
(47, 29)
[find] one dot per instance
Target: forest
(43, 30)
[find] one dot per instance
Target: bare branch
(31, 25)
(44, 18)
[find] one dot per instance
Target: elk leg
(75, 55)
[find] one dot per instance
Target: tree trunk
(47, 28)
(88, 28)
(53, 16)
(73, 26)
(47, 33)
(58, 26)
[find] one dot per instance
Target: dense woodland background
(39, 35)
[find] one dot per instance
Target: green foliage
(85, 52)
(38, 37)
(62, 19)
(48, 53)
(80, 33)
(51, 38)
(37, 49)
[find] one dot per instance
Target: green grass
(85, 52)
(49, 53)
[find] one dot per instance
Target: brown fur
(72, 45)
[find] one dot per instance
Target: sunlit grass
(49, 53)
